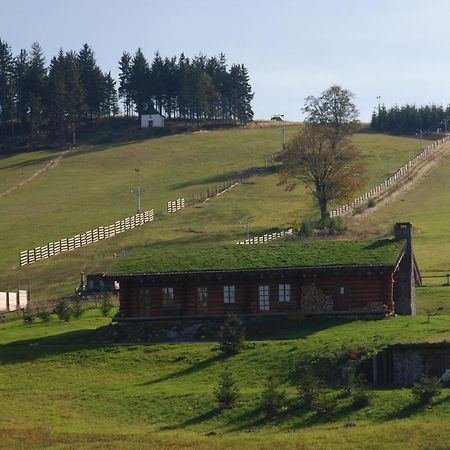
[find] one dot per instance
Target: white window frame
(284, 293)
(229, 294)
(167, 296)
(264, 297)
(202, 299)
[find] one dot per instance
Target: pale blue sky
(395, 49)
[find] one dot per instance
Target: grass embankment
(91, 187)
(58, 388)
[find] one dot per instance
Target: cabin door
(341, 302)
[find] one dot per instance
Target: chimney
(405, 285)
(403, 230)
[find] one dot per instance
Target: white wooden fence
(12, 301)
(81, 240)
(267, 237)
(176, 205)
(389, 182)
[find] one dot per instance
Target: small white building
(152, 119)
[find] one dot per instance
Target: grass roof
(262, 256)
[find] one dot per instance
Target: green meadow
(61, 389)
(92, 187)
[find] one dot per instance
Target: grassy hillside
(69, 392)
(92, 187)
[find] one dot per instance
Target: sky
(392, 49)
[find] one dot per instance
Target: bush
(308, 387)
(44, 315)
(227, 393)
(324, 406)
(63, 311)
(371, 203)
(306, 228)
(426, 391)
(28, 315)
(77, 309)
(232, 335)
(106, 305)
(334, 225)
(360, 397)
(273, 399)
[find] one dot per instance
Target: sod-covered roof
(263, 256)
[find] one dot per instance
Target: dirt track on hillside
(50, 165)
(421, 171)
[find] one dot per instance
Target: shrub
(44, 315)
(371, 203)
(106, 305)
(28, 315)
(426, 391)
(334, 225)
(77, 309)
(306, 228)
(227, 393)
(324, 406)
(360, 397)
(231, 335)
(308, 387)
(63, 311)
(273, 399)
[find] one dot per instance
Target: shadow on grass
(201, 417)
(43, 347)
(414, 408)
(188, 370)
(228, 176)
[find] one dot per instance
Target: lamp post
(419, 132)
(137, 191)
(247, 222)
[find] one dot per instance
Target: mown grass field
(92, 187)
(59, 389)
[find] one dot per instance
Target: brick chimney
(404, 281)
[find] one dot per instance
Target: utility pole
(137, 191)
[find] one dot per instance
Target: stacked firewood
(314, 300)
(371, 307)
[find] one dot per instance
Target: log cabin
(338, 277)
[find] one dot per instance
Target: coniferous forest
(40, 100)
(410, 119)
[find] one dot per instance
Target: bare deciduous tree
(327, 164)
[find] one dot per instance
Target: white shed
(154, 120)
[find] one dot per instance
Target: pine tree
(36, 79)
(6, 83)
(140, 82)
(125, 92)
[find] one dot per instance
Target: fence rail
(175, 205)
(13, 301)
(87, 238)
(390, 181)
(267, 237)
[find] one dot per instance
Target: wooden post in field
(29, 294)
(7, 297)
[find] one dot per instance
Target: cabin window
(167, 296)
(229, 294)
(202, 299)
(263, 297)
(284, 292)
(144, 301)
(342, 290)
